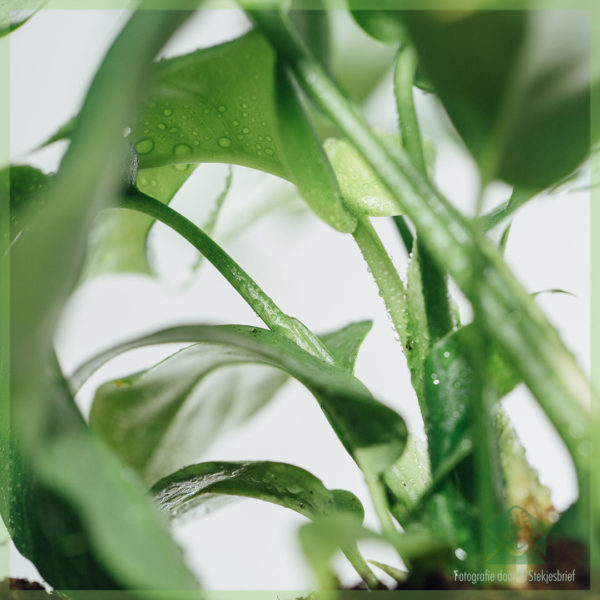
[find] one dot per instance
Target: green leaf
(120, 524)
(523, 487)
(118, 241)
(387, 26)
(279, 483)
(26, 183)
(14, 13)
(305, 160)
(447, 410)
(372, 433)
(516, 86)
(202, 485)
(167, 416)
(224, 104)
(409, 478)
(345, 343)
(360, 187)
(80, 540)
(417, 345)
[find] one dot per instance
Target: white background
(311, 271)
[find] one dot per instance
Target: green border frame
(592, 6)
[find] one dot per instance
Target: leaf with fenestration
(372, 433)
(516, 85)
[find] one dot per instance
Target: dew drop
(174, 130)
(222, 108)
(460, 554)
(145, 146)
(181, 167)
(244, 114)
(446, 354)
(168, 112)
(268, 151)
(181, 149)
(258, 147)
(245, 130)
(162, 126)
(436, 382)
(244, 105)
(240, 137)
(224, 142)
(235, 123)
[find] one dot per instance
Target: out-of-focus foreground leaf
(14, 13)
(516, 85)
(111, 514)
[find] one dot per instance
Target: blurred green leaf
(14, 13)
(292, 487)
(26, 183)
(516, 85)
(76, 540)
(387, 26)
(373, 434)
(118, 240)
(120, 524)
(167, 416)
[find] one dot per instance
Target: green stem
(511, 316)
(248, 289)
(361, 566)
(504, 210)
(378, 494)
(434, 280)
(391, 288)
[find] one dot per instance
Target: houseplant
(70, 499)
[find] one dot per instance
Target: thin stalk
(248, 289)
(511, 316)
(435, 284)
(391, 288)
(378, 494)
(361, 566)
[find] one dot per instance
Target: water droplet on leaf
(145, 146)
(224, 142)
